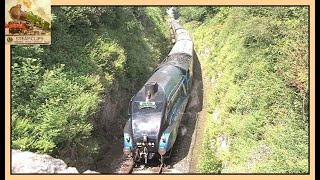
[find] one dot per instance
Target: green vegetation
(56, 89)
(194, 13)
(254, 60)
(256, 63)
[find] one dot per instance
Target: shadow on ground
(187, 127)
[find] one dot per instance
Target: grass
(257, 58)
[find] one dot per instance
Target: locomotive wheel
(136, 155)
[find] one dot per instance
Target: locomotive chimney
(150, 89)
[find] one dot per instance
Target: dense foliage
(256, 60)
(57, 89)
(194, 13)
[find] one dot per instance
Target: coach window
(188, 78)
(183, 90)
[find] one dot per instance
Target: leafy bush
(194, 13)
(258, 59)
(57, 89)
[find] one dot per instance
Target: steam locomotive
(25, 22)
(156, 110)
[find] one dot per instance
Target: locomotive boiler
(25, 22)
(156, 110)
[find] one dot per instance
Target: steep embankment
(257, 110)
(70, 99)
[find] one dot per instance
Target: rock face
(28, 162)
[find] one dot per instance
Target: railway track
(128, 166)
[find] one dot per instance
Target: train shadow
(187, 127)
(195, 104)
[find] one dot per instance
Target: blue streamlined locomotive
(156, 110)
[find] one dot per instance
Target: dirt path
(188, 145)
(199, 131)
